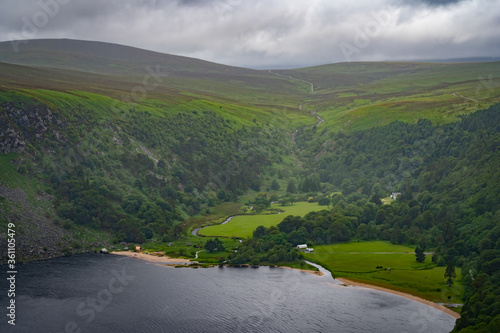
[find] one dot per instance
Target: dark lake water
(107, 293)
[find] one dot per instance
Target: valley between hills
(388, 170)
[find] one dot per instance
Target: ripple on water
(165, 299)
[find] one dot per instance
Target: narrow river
(195, 231)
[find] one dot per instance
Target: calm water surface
(106, 293)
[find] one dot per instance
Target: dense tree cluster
(142, 174)
(214, 245)
(267, 246)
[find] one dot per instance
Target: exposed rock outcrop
(37, 236)
(19, 126)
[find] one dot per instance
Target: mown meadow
(242, 226)
(388, 265)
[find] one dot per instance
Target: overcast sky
(269, 33)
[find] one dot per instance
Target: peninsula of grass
(369, 262)
(187, 247)
(243, 226)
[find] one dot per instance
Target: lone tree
(274, 185)
(450, 273)
(419, 253)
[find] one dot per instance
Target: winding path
(293, 78)
(470, 99)
(320, 120)
(196, 255)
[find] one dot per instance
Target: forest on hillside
(139, 175)
(448, 179)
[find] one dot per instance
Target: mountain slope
(129, 151)
(354, 96)
(101, 143)
(104, 58)
(349, 96)
(115, 69)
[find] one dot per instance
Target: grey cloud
(433, 2)
(194, 2)
(274, 33)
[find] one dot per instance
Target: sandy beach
(318, 273)
(180, 261)
(155, 258)
(395, 292)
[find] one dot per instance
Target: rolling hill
(103, 144)
(349, 96)
(354, 96)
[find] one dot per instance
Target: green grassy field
(387, 200)
(358, 261)
(243, 226)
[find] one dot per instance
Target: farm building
(304, 248)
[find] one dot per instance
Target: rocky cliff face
(19, 126)
(39, 234)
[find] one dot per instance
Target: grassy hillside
(349, 96)
(104, 58)
(355, 96)
(113, 69)
(101, 143)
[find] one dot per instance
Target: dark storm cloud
(269, 33)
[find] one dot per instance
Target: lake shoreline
(402, 294)
(154, 258)
(179, 261)
(317, 273)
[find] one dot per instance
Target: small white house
(304, 248)
(394, 195)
